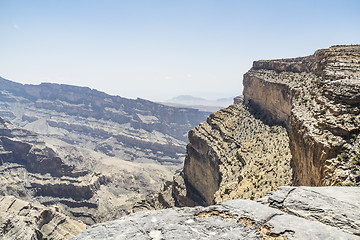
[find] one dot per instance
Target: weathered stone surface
(317, 98)
(335, 206)
(29, 221)
(234, 154)
(235, 219)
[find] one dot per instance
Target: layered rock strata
(88, 153)
(317, 98)
(234, 154)
(131, 130)
(298, 124)
(27, 221)
(245, 219)
(34, 172)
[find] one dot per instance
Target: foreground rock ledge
(245, 219)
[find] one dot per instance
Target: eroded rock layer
(27, 221)
(234, 154)
(131, 130)
(298, 124)
(317, 98)
(32, 171)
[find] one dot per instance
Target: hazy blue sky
(160, 49)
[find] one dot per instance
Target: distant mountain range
(200, 103)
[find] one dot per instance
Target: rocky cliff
(317, 98)
(298, 124)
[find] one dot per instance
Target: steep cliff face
(322, 91)
(298, 124)
(234, 154)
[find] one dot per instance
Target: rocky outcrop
(24, 220)
(334, 206)
(297, 124)
(234, 154)
(245, 219)
(317, 98)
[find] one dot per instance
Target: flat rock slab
(335, 206)
(235, 219)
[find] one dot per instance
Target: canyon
(282, 162)
(82, 154)
(297, 124)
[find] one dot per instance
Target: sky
(157, 49)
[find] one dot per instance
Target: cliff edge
(298, 124)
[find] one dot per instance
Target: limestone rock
(23, 220)
(234, 154)
(239, 219)
(334, 206)
(297, 124)
(317, 98)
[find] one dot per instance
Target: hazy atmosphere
(160, 49)
(214, 142)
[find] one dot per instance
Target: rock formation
(87, 153)
(27, 221)
(317, 98)
(131, 130)
(325, 214)
(297, 124)
(72, 181)
(334, 206)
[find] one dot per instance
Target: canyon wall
(298, 124)
(133, 130)
(323, 118)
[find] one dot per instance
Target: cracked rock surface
(334, 206)
(239, 219)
